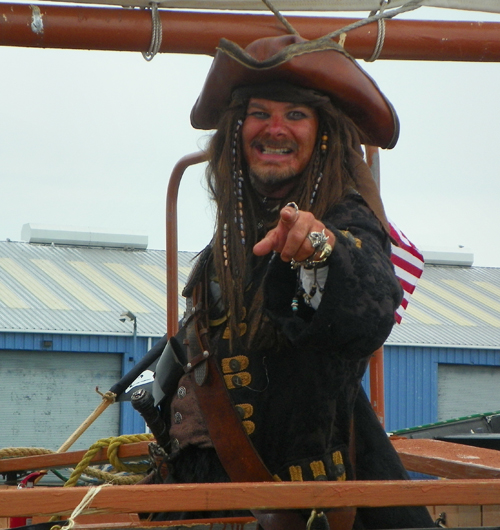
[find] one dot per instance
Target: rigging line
(281, 18)
(409, 6)
(380, 32)
(157, 33)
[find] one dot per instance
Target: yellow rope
(113, 445)
(14, 452)
(112, 478)
(120, 440)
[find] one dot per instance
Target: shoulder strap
(232, 444)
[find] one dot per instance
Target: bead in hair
(324, 143)
(224, 245)
(323, 147)
(238, 183)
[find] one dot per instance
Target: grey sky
(89, 139)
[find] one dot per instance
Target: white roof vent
(83, 237)
(458, 256)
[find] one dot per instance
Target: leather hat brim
(321, 65)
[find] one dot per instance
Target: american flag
(408, 264)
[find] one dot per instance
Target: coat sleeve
(361, 293)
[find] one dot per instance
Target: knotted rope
(113, 445)
(379, 16)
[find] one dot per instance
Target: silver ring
(318, 239)
(294, 206)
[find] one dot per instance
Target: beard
(273, 182)
(271, 178)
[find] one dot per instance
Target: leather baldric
(234, 448)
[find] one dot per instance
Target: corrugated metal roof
(84, 290)
(453, 306)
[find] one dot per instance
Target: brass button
(236, 380)
(181, 392)
(235, 365)
(177, 417)
(241, 411)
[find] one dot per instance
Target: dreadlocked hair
(240, 213)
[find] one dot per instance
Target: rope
(157, 33)
(382, 15)
(380, 33)
(87, 499)
(379, 17)
(111, 478)
(112, 444)
(14, 452)
(281, 18)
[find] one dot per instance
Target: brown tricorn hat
(321, 65)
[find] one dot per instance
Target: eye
(259, 114)
(297, 115)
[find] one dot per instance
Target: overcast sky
(89, 139)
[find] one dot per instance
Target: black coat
(298, 399)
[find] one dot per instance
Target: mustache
(272, 143)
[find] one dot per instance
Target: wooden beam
(129, 452)
(433, 457)
(99, 28)
(447, 460)
(263, 496)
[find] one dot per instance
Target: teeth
(280, 151)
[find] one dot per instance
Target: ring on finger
(322, 249)
(318, 239)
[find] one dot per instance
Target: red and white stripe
(408, 264)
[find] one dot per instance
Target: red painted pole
(377, 361)
(171, 242)
(119, 29)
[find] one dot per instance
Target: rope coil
(157, 33)
(380, 33)
(113, 444)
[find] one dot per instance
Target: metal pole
(377, 361)
(135, 339)
(171, 243)
(98, 28)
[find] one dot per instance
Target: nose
(276, 125)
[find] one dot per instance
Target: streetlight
(128, 315)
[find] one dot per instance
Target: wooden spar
(119, 29)
(263, 495)
(433, 457)
(129, 452)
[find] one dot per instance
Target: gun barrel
(143, 402)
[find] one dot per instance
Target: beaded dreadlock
(243, 217)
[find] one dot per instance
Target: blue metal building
(443, 361)
(61, 336)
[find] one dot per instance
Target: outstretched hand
(289, 238)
